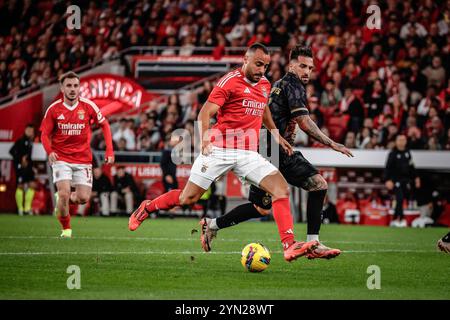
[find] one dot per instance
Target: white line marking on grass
(197, 239)
(116, 253)
(389, 251)
(31, 253)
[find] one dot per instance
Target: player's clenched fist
(52, 158)
(206, 147)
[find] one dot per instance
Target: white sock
(312, 237)
(213, 224)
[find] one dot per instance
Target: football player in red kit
(66, 135)
(240, 101)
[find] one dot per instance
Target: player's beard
(252, 78)
(71, 99)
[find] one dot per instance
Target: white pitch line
(30, 253)
(389, 251)
(196, 239)
(118, 253)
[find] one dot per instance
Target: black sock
(446, 238)
(239, 214)
(314, 210)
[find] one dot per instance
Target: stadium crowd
(368, 86)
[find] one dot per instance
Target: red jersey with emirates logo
(69, 129)
(242, 105)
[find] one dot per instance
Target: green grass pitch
(163, 260)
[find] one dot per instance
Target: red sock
(283, 218)
(65, 221)
(166, 201)
(73, 208)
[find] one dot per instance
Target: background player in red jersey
(240, 101)
(66, 135)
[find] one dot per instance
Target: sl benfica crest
(264, 92)
(81, 114)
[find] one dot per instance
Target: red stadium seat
(337, 126)
(444, 219)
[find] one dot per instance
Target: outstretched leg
(188, 196)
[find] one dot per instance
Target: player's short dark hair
(256, 46)
(68, 75)
(300, 51)
(30, 125)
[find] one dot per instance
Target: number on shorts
(89, 174)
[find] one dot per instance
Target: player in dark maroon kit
(240, 101)
(66, 137)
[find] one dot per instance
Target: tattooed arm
(311, 129)
(270, 125)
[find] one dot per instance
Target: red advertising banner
(16, 115)
(112, 93)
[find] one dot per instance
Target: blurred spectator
(26, 186)
(149, 136)
(375, 98)
(125, 131)
(435, 73)
(101, 190)
(331, 96)
(400, 175)
(23, 146)
(412, 28)
(329, 213)
(21, 153)
(363, 138)
(122, 145)
(353, 106)
(124, 192)
(168, 167)
(416, 83)
(218, 201)
(350, 140)
(414, 134)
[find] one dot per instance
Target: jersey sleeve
(96, 115)
(219, 94)
(47, 123)
(296, 100)
(46, 129)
